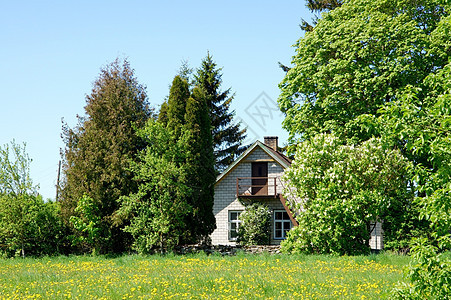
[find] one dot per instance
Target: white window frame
(236, 222)
(284, 223)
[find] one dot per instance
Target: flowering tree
(343, 189)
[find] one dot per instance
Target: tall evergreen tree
(200, 165)
(227, 137)
(176, 105)
(98, 150)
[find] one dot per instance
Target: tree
(427, 130)
(315, 6)
(17, 194)
(381, 68)
(227, 137)
(318, 6)
(357, 59)
(27, 223)
(341, 190)
(163, 113)
(176, 105)
(98, 149)
(200, 166)
(158, 210)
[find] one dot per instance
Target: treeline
(133, 179)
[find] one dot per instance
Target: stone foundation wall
(228, 249)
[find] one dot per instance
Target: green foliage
(17, 207)
(227, 137)
(50, 235)
(426, 131)
(358, 58)
(292, 244)
(98, 150)
(340, 190)
(157, 212)
(28, 225)
(318, 6)
(163, 114)
(429, 272)
(200, 166)
(15, 170)
(381, 68)
(255, 226)
(176, 107)
(87, 223)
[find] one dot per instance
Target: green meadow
(199, 276)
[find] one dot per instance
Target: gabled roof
(284, 161)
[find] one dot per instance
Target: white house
(256, 176)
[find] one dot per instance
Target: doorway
(260, 185)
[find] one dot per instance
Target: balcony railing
(256, 186)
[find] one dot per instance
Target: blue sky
(52, 52)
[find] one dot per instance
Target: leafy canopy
(157, 211)
(359, 57)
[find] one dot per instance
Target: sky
(52, 51)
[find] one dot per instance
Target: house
(254, 176)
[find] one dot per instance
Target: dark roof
(279, 154)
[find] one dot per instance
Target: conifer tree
(227, 137)
(163, 114)
(176, 105)
(98, 150)
(200, 166)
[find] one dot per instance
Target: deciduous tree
(341, 190)
(158, 210)
(28, 225)
(359, 58)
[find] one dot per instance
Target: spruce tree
(200, 166)
(227, 137)
(98, 150)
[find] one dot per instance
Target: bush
(291, 243)
(39, 232)
(339, 190)
(255, 227)
(429, 273)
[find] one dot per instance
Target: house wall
(377, 237)
(226, 200)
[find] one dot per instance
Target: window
(282, 224)
(234, 223)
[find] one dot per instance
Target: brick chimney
(271, 142)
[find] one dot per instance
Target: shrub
(255, 227)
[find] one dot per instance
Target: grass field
(201, 277)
